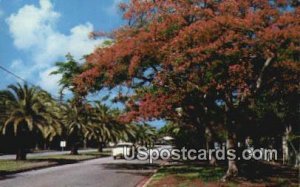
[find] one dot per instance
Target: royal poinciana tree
(199, 55)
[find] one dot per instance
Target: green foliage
(144, 134)
(28, 108)
(68, 70)
(104, 126)
(28, 111)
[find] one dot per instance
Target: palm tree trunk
(100, 147)
(21, 147)
(84, 143)
(21, 154)
(74, 150)
(36, 148)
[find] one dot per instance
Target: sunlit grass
(10, 166)
(7, 166)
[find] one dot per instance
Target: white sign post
(63, 145)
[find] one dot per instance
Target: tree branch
(259, 80)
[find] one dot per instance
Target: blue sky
(34, 34)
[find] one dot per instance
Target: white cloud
(58, 45)
(49, 82)
(16, 63)
(30, 25)
(19, 66)
(34, 31)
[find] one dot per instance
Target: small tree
(68, 70)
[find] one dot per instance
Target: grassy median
(13, 166)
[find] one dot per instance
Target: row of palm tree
(28, 110)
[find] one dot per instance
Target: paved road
(103, 172)
(29, 155)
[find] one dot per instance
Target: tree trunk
(100, 147)
(231, 143)
(232, 170)
(285, 146)
(213, 161)
(285, 150)
(84, 144)
(36, 148)
(21, 154)
(210, 145)
(74, 150)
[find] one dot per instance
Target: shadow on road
(5, 176)
(133, 168)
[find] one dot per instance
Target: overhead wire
(25, 81)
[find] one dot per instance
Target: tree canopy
(225, 51)
(202, 56)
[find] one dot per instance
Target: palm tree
(56, 129)
(104, 126)
(4, 94)
(144, 134)
(170, 129)
(77, 122)
(26, 113)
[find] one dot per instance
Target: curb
(145, 182)
(149, 180)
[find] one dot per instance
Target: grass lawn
(12, 166)
(201, 174)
